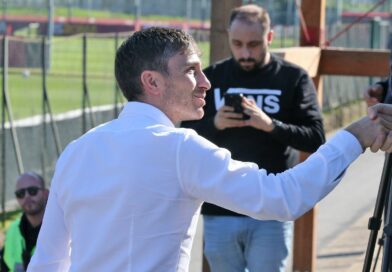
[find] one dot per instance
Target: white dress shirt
(126, 196)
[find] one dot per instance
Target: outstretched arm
(208, 173)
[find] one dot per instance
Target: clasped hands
(377, 128)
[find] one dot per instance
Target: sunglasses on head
(32, 190)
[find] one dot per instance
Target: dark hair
(148, 49)
(251, 13)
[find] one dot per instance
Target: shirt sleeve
(305, 130)
(52, 252)
(208, 173)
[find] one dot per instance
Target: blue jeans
(236, 243)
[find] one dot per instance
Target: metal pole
(9, 109)
(44, 138)
(46, 102)
(84, 45)
(6, 109)
(86, 95)
(4, 7)
(50, 29)
(116, 89)
(3, 138)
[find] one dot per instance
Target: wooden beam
(338, 61)
(220, 14)
(312, 34)
(304, 242)
(354, 62)
(306, 57)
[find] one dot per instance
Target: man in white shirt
(126, 196)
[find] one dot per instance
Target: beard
(256, 64)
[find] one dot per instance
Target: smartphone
(234, 100)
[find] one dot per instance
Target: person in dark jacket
(281, 101)
(21, 236)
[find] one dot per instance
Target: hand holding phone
(235, 100)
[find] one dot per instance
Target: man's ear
(152, 82)
(270, 36)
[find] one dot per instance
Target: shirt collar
(143, 109)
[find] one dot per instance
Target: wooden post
(305, 230)
(313, 12)
(220, 14)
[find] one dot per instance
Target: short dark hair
(148, 49)
(251, 13)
